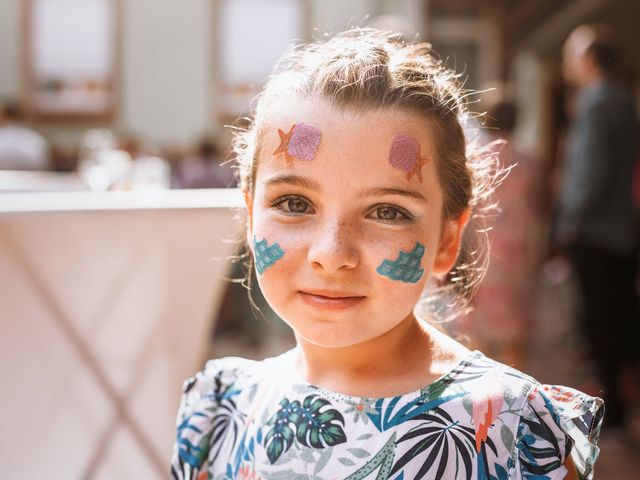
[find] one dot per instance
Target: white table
(107, 302)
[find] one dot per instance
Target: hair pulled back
(364, 69)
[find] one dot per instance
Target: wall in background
(10, 30)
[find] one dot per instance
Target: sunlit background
(117, 219)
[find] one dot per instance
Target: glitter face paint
(406, 268)
(301, 141)
(405, 155)
(265, 255)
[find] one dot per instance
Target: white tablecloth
(107, 302)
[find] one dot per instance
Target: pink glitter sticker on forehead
(405, 155)
(301, 142)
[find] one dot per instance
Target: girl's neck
(404, 359)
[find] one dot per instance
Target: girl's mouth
(330, 300)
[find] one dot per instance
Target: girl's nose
(332, 248)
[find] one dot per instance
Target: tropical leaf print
(471, 370)
(201, 434)
(228, 421)
(501, 473)
(477, 422)
(323, 460)
(280, 437)
(190, 452)
(482, 461)
(435, 390)
(317, 428)
(538, 447)
(439, 437)
(388, 415)
(244, 452)
(309, 423)
(383, 460)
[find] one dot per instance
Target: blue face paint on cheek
(406, 268)
(265, 255)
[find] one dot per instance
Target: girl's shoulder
(219, 374)
(553, 422)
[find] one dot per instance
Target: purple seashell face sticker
(405, 155)
(304, 142)
(301, 142)
(404, 152)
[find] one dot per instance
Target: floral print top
(242, 419)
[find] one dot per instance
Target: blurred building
(179, 70)
(173, 72)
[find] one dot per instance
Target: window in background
(71, 58)
(251, 36)
(468, 44)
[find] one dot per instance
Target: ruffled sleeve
(198, 409)
(556, 422)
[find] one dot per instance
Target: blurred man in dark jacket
(597, 221)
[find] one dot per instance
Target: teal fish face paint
(406, 268)
(265, 255)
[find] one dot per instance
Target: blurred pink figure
(501, 319)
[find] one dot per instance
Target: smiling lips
(330, 300)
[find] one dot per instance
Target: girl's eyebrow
(310, 184)
(381, 191)
(294, 180)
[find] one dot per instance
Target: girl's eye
(391, 214)
(292, 204)
(387, 213)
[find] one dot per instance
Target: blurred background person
(20, 147)
(501, 320)
(596, 221)
(203, 168)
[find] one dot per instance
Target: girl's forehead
(361, 145)
(332, 120)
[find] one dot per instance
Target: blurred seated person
(20, 148)
(203, 170)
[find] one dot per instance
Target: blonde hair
(365, 69)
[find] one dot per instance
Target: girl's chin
(321, 342)
(333, 336)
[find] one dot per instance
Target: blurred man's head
(589, 54)
(501, 111)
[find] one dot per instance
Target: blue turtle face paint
(406, 268)
(265, 255)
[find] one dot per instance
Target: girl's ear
(450, 241)
(248, 203)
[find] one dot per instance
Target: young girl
(358, 187)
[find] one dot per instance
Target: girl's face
(338, 213)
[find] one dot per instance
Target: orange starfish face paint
(405, 155)
(301, 142)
